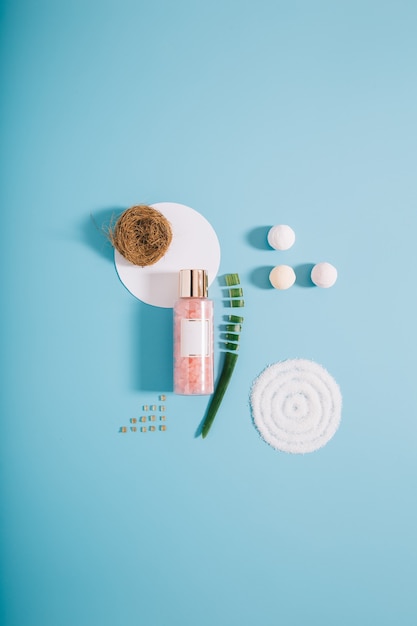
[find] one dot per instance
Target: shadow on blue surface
(95, 227)
(303, 275)
(257, 238)
(152, 348)
(152, 326)
(260, 277)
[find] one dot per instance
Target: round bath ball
(281, 237)
(324, 275)
(282, 277)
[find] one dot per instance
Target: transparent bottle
(193, 335)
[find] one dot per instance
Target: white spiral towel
(296, 405)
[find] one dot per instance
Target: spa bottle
(193, 335)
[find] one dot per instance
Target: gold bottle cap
(193, 284)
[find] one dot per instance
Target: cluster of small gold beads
(144, 419)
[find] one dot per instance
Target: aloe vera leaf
(235, 292)
(233, 328)
(232, 279)
(217, 397)
(231, 355)
(235, 319)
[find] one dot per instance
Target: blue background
(254, 114)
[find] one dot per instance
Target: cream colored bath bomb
(324, 275)
(281, 237)
(282, 277)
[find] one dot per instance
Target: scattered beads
(143, 419)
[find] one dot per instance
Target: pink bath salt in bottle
(193, 335)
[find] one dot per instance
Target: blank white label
(195, 337)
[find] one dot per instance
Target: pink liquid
(193, 346)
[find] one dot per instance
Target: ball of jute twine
(141, 234)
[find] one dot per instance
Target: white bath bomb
(282, 277)
(281, 237)
(324, 275)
